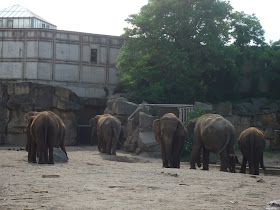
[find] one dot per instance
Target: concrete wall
(60, 58)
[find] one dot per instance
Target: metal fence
(184, 111)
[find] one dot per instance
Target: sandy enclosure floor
(91, 180)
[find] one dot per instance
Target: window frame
(93, 55)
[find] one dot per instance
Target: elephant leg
(177, 150)
(103, 147)
(33, 153)
(163, 156)
(261, 161)
(195, 155)
(99, 145)
(92, 138)
(29, 156)
(114, 146)
(42, 152)
(251, 166)
(50, 155)
(28, 148)
(243, 165)
(256, 164)
(206, 155)
(199, 160)
(46, 154)
(168, 149)
(108, 146)
(223, 160)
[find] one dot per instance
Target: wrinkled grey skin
(213, 133)
(170, 133)
(251, 143)
(108, 129)
(54, 135)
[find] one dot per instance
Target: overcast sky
(108, 16)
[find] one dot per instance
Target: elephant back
(169, 123)
(252, 134)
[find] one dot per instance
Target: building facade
(84, 63)
(31, 49)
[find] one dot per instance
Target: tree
(247, 30)
(176, 51)
(271, 60)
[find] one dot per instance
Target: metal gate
(183, 112)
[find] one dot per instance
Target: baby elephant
(252, 143)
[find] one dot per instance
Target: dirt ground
(91, 180)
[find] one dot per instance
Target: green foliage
(270, 58)
(178, 51)
(194, 114)
(186, 153)
(247, 30)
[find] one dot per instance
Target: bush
(186, 153)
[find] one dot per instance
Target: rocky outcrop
(273, 205)
(16, 99)
(137, 124)
(59, 156)
(260, 113)
(203, 106)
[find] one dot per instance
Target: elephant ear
(181, 130)
(30, 120)
(92, 122)
(156, 129)
(191, 126)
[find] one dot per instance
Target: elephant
(170, 133)
(108, 129)
(45, 130)
(213, 133)
(251, 143)
(29, 119)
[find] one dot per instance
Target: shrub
(186, 153)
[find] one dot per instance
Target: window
(93, 56)
(10, 23)
(1, 24)
(43, 25)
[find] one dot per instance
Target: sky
(108, 16)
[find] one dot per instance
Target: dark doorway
(84, 135)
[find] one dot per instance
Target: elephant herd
(211, 133)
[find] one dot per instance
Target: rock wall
(137, 120)
(16, 99)
(260, 113)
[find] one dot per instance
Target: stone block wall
(259, 112)
(16, 99)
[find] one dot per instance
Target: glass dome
(18, 17)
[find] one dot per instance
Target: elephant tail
(224, 147)
(252, 147)
(117, 133)
(46, 132)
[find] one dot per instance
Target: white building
(32, 49)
